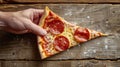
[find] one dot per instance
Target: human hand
(22, 21)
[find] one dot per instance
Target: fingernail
(43, 32)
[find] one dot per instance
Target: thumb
(35, 29)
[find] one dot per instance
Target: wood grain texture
(1, 1)
(63, 1)
(100, 17)
(84, 63)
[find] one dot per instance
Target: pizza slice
(61, 35)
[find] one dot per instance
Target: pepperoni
(45, 39)
(46, 51)
(61, 43)
(81, 34)
(51, 14)
(54, 24)
(45, 46)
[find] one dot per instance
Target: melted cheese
(50, 46)
(68, 32)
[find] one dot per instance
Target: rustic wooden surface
(62, 1)
(22, 51)
(1, 1)
(84, 63)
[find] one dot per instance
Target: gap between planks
(117, 59)
(60, 3)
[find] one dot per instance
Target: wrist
(2, 20)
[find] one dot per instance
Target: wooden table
(22, 50)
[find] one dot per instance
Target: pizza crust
(42, 53)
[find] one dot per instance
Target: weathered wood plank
(84, 63)
(100, 17)
(63, 1)
(1, 1)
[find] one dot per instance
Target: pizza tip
(109, 34)
(104, 34)
(47, 7)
